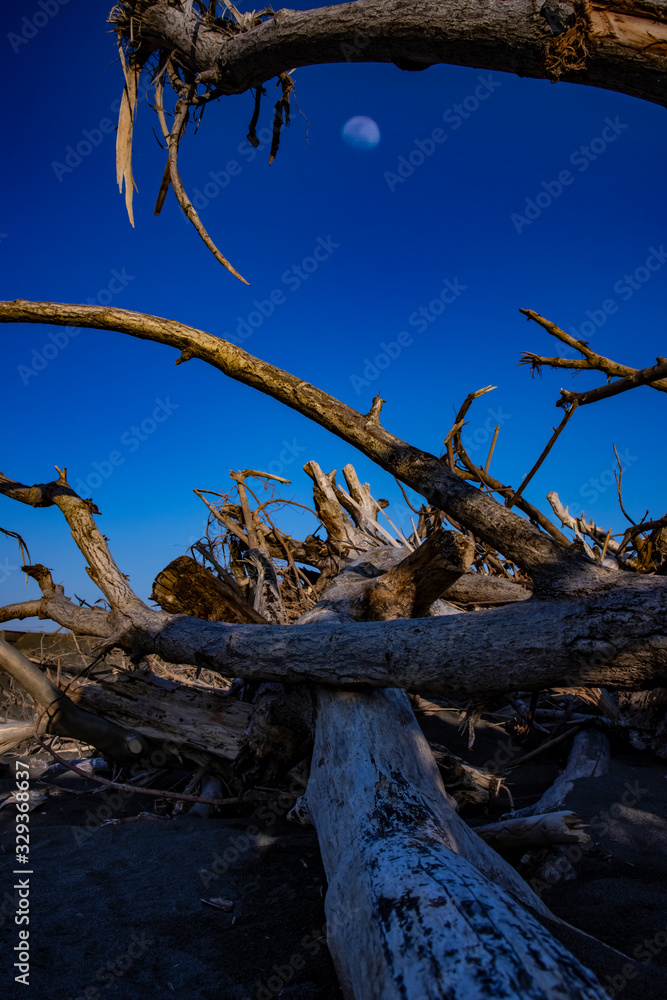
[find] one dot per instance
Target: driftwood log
(419, 906)
(390, 836)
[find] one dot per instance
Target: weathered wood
(410, 588)
(537, 644)
(642, 719)
(12, 734)
(476, 588)
(63, 716)
(535, 831)
(279, 734)
(418, 907)
(187, 587)
(621, 51)
(201, 722)
(176, 723)
(468, 785)
(589, 758)
(405, 875)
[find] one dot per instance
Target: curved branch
(618, 46)
(181, 195)
(550, 563)
(24, 609)
(78, 513)
(54, 606)
(592, 362)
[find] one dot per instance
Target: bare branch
(592, 362)
(552, 440)
(79, 515)
(540, 555)
(181, 196)
(54, 606)
(580, 526)
(643, 376)
(507, 37)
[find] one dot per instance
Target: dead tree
(486, 597)
(405, 872)
(390, 839)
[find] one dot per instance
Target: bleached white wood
(418, 906)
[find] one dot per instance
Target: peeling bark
(619, 47)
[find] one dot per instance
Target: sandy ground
(117, 912)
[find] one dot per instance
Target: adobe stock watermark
(30, 26)
(7, 570)
(472, 441)
(291, 279)
(242, 843)
(110, 972)
(645, 952)
(624, 289)
(454, 117)
(219, 180)
(113, 799)
(597, 485)
(581, 158)
(311, 944)
(91, 138)
(600, 823)
(57, 340)
(130, 441)
(419, 320)
(287, 456)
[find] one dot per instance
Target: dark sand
(117, 912)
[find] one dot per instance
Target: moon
(361, 133)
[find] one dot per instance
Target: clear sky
(436, 211)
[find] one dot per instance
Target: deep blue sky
(63, 235)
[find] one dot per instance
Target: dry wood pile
(328, 646)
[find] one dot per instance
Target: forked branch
(540, 555)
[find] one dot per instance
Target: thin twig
(180, 119)
(152, 792)
(552, 440)
(492, 448)
(546, 746)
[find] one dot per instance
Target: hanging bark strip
(281, 113)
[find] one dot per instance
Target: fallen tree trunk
(537, 644)
(131, 717)
(535, 831)
(589, 758)
(418, 907)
